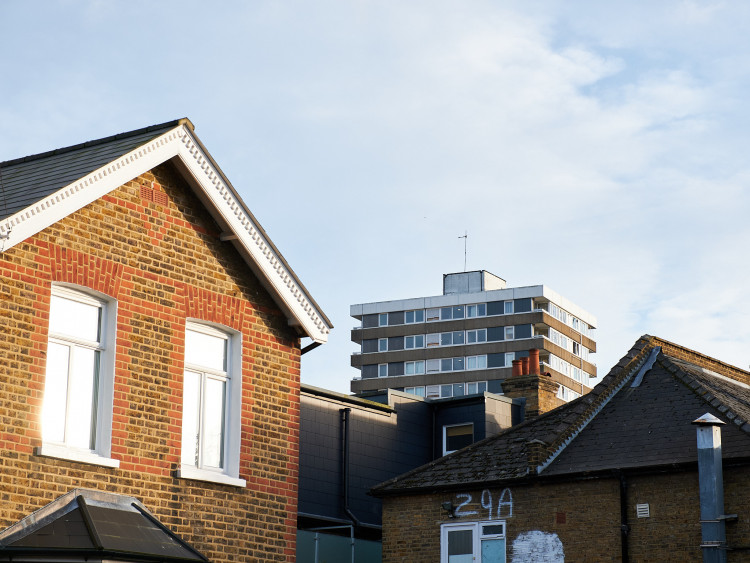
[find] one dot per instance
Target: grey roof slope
(615, 426)
(24, 181)
(87, 524)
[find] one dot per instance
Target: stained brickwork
(152, 247)
(584, 515)
(629, 442)
(540, 393)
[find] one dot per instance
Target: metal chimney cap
(708, 420)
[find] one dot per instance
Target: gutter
(345, 414)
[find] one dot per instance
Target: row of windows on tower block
(440, 365)
(491, 308)
(79, 388)
(453, 338)
(447, 390)
(445, 313)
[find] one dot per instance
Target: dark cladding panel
(495, 361)
(495, 308)
(369, 321)
(395, 368)
(395, 343)
(523, 331)
(396, 318)
(369, 370)
(522, 305)
(495, 386)
(495, 333)
(369, 345)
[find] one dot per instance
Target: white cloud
(594, 147)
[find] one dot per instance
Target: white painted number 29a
(504, 504)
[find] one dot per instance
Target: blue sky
(598, 148)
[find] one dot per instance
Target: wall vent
(157, 196)
(642, 510)
(147, 193)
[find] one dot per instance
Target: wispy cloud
(594, 147)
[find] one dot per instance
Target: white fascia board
(71, 198)
(360, 309)
(252, 239)
(570, 307)
(528, 291)
(181, 143)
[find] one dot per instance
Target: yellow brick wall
(584, 515)
(152, 246)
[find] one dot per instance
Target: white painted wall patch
(537, 547)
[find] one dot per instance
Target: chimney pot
(534, 361)
(525, 365)
(517, 368)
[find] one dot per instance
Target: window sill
(189, 472)
(72, 454)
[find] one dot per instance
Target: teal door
(493, 550)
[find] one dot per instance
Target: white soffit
(178, 142)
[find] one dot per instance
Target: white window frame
(415, 313)
(417, 367)
(382, 344)
(478, 359)
(382, 370)
(418, 390)
(476, 333)
(509, 357)
(508, 307)
(446, 451)
(382, 319)
(414, 340)
(477, 308)
(477, 536)
(432, 315)
(478, 384)
(102, 450)
(229, 474)
(432, 392)
(509, 330)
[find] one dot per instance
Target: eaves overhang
(181, 145)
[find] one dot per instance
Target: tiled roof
(37, 191)
(24, 181)
(616, 426)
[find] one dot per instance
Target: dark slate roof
(26, 180)
(84, 524)
(616, 426)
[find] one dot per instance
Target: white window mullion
(78, 389)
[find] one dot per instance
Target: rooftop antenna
(465, 237)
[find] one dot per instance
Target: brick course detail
(590, 528)
(161, 259)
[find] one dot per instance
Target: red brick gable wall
(152, 247)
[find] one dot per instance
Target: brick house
(616, 475)
(150, 342)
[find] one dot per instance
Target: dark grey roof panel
(94, 525)
(25, 181)
(646, 426)
(638, 427)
